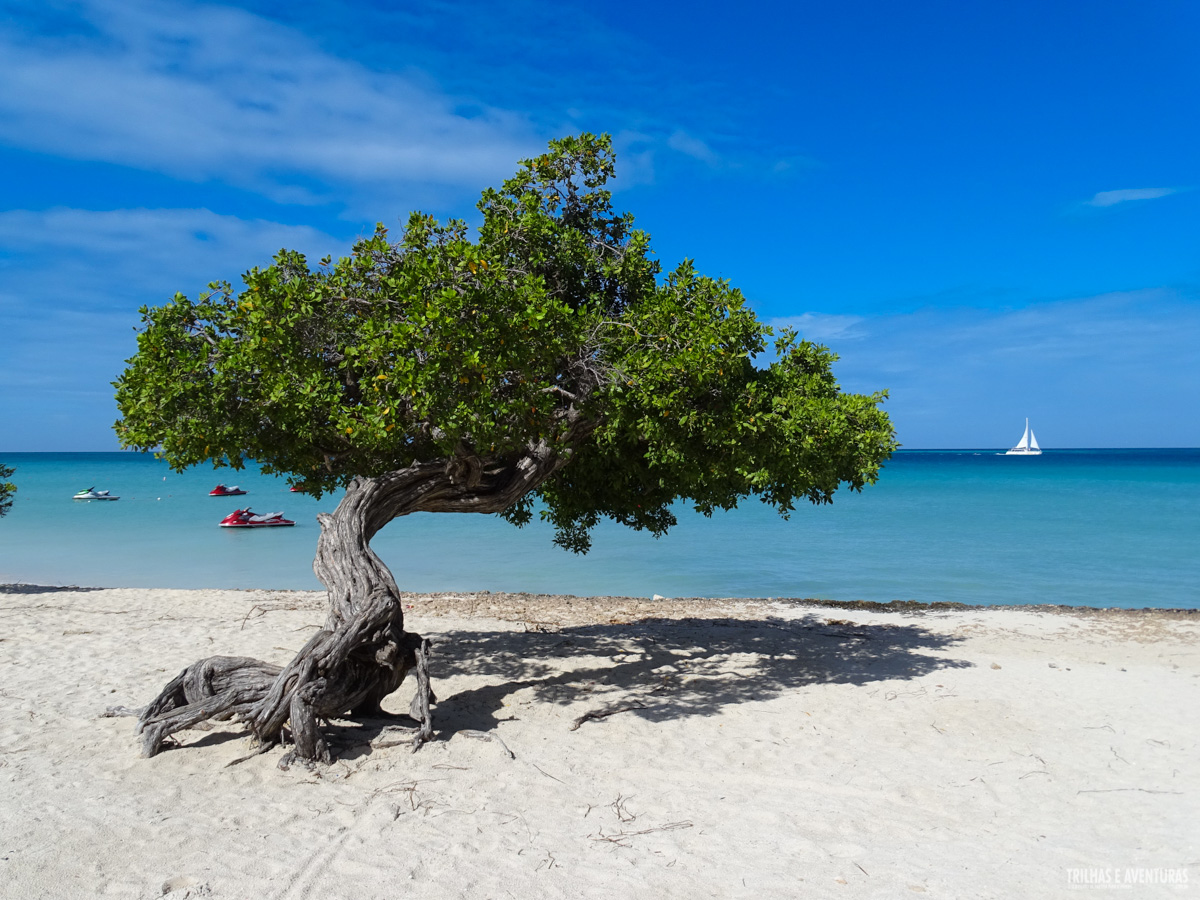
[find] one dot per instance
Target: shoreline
(458, 600)
(590, 747)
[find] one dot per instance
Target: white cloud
(1112, 198)
(744, 160)
(71, 283)
(209, 93)
(1111, 370)
(682, 142)
(205, 92)
(796, 163)
(635, 153)
(819, 327)
(118, 259)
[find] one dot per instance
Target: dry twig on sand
(489, 736)
(605, 713)
(618, 837)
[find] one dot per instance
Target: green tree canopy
(552, 327)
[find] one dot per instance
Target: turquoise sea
(1079, 527)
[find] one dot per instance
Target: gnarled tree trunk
(362, 653)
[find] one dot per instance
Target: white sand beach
(755, 749)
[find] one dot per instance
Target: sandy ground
(755, 749)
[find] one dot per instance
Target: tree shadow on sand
(675, 668)
(22, 588)
(657, 669)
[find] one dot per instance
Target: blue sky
(991, 209)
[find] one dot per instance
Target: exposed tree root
(220, 688)
(269, 698)
(362, 654)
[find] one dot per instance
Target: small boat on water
(1028, 445)
(93, 494)
(222, 491)
(245, 518)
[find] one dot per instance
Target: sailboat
(1028, 445)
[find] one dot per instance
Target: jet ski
(93, 494)
(245, 518)
(222, 491)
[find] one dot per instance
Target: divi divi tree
(543, 363)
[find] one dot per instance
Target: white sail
(1024, 443)
(1028, 445)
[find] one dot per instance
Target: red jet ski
(244, 518)
(222, 491)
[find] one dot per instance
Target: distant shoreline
(466, 602)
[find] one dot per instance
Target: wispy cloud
(796, 163)
(77, 259)
(1090, 369)
(206, 92)
(819, 327)
(209, 93)
(743, 160)
(688, 145)
(71, 282)
(1112, 198)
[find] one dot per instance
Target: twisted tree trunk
(362, 653)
